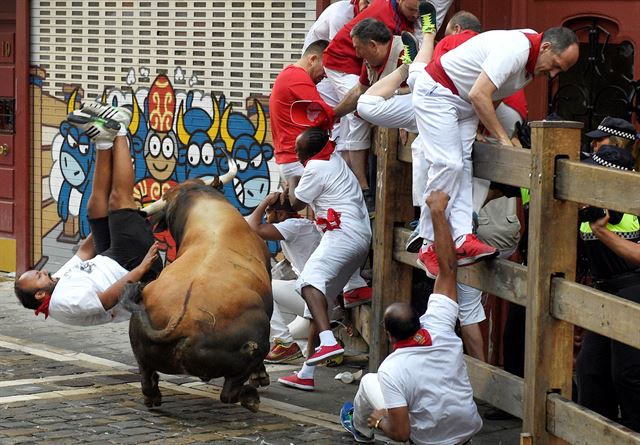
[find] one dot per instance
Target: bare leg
(99, 199)
(122, 187)
(313, 339)
(426, 49)
(318, 306)
(346, 157)
(387, 86)
(472, 339)
(359, 166)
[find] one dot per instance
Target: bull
(207, 314)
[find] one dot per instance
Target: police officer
(607, 371)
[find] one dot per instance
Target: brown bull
(208, 312)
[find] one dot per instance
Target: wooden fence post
(391, 279)
(552, 252)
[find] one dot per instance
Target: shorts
(125, 237)
(470, 305)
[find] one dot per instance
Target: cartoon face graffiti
(76, 155)
(161, 155)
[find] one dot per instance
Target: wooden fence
(546, 287)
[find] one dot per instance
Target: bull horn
(261, 129)
(224, 129)
(135, 116)
(103, 99)
(228, 176)
(215, 124)
(182, 132)
(154, 207)
(71, 105)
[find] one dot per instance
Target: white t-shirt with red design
(75, 298)
(502, 55)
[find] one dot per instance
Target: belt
(618, 282)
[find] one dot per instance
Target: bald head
(462, 21)
(401, 321)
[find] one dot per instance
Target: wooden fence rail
(546, 287)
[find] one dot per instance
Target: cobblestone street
(66, 385)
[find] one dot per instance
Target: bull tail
(133, 303)
(132, 296)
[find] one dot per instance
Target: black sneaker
(427, 13)
(410, 47)
(414, 242)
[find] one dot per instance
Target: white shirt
(301, 237)
(432, 381)
(75, 298)
(502, 55)
(329, 23)
(332, 184)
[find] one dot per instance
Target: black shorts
(125, 237)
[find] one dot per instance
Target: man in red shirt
(296, 82)
(343, 67)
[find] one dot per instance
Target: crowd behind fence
(546, 286)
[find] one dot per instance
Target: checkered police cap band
(600, 161)
(619, 133)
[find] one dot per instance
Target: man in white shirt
(86, 290)
(422, 391)
(457, 90)
(299, 237)
(332, 191)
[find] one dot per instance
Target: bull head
(224, 179)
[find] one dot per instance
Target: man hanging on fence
(456, 91)
(120, 249)
(421, 391)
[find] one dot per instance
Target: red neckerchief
(420, 338)
(535, 40)
(322, 155)
(44, 307)
(356, 7)
(331, 222)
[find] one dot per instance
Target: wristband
(377, 424)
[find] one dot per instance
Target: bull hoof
(251, 405)
(153, 400)
(259, 379)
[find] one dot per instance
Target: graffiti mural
(175, 135)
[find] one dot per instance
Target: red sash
(331, 222)
(438, 74)
(420, 338)
(324, 154)
(44, 307)
(535, 40)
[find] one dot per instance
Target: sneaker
(324, 353)
(428, 261)
(410, 47)
(98, 129)
(414, 242)
(283, 352)
(346, 420)
(121, 115)
(427, 13)
(356, 297)
(473, 250)
(294, 381)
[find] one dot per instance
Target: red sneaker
(428, 261)
(283, 352)
(324, 353)
(473, 250)
(294, 381)
(356, 297)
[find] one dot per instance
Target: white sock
(123, 130)
(104, 145)
(306, 372)
(327, 338)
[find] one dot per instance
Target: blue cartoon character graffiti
(202, 147)
(251, 185)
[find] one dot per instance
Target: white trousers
(290, 169)
(287, 305)
(330, 96)
(447, 126)
(357, 133)
(368, 398)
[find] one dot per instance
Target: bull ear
(159, 221)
